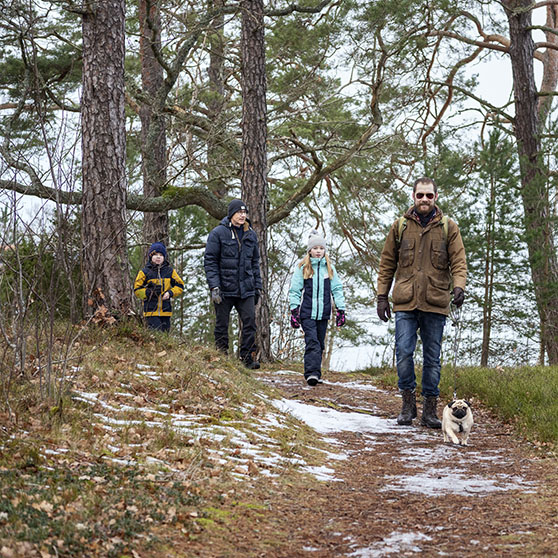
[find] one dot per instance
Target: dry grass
(150, 434)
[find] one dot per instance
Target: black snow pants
(247, 314)
(314, 338)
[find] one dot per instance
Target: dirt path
(396, 491)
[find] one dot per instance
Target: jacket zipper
(160, 297)
(318, 291)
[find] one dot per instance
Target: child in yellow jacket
(156, 284)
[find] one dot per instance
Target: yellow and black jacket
(169, 281)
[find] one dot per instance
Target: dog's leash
(455, 316)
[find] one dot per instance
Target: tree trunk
(105, 266)
(488, 277)
(153, 124)
(254, 152)
(534, 191)
(215, 71)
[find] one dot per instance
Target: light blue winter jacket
(313, 295)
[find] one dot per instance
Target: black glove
(340, 318)
(216, 295)
(257, 296)
(382, 308)
(458, 297)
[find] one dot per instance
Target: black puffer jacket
(231, 264)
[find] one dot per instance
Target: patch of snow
(396, 543)
(327, 421)
(322, 473)
(440, 482)
(354, 385)
(58, 451)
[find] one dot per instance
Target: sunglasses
(420, 195)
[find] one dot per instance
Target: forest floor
(399, 491)
(296, 471)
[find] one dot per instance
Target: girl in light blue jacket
(313, 285)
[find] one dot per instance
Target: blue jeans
(431, 326)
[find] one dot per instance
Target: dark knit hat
(157, 247)
(235, 206)
(316, 239)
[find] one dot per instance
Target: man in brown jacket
(425, 253)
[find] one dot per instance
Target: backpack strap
(445, 227)
(401, 226)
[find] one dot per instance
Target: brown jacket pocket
(407, 252)
(403, 291)
(438, 292)
(439, 255)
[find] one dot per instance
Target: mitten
(295, 318)
(257, 296)
(340, 318)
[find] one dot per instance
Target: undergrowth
(525, 396)
(73, 485)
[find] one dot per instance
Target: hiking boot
(429, 418)
(408, 408)
(312, 380)
(252, 364)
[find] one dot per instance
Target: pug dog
(457, 420)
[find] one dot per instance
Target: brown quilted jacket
(426, 266)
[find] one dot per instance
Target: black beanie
(234, 206)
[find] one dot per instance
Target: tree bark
(104, 256)
(488, 277)
(215, 104)
(153, 124)
(534, 191)
(254, 151)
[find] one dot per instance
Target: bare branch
(542, 4)
(175, 199)
(450, 86)
(484, 103)
(482, 44)
(550, 46)
(544, 28)
(295, 8)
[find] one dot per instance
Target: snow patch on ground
(327, 421)
(434, 470)
(441, 482)
(394, 544)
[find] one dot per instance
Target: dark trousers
(247, 315)
(314, 338)
(160, 323)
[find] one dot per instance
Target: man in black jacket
(232, 269)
